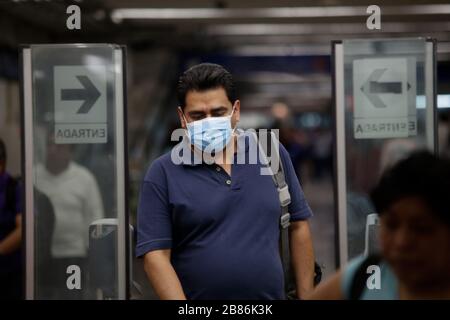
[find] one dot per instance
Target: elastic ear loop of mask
(186, 131)
(231, 115)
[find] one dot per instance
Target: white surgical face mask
(210, 134)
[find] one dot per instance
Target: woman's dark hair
(422, 175)
(2, 151)
(203, 77)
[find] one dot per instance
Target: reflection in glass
(76, 200)
(77, 213)
(368, 156)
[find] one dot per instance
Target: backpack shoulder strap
(284, 197)
(360, 278)
(278, 177)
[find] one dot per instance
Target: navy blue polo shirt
(223, 231)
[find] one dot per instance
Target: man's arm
(12, 242)
(162, 275)
(302, 255)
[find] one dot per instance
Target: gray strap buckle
(285, 197)
(285, 220)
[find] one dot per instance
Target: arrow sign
(372, 88)
(89, 94)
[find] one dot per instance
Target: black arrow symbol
(372, 87)
(89, 94)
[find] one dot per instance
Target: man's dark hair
(2, 151)
(203, 77)
(420, 175)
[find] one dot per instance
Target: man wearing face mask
(208, 225)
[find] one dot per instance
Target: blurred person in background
(394, 150)
(11, 282)
(412, 201)
(283, 121)
(76, 201)
(211, 231)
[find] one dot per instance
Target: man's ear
(237, 110)
(181, 116)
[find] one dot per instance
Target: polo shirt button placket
(228, 182)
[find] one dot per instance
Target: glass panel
(74, 171)
(386, 117)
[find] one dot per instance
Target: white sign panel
(80, 104)
(384, 91)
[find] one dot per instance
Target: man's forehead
(206, 108)
(199, 99)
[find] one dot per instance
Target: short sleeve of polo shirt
(298, 208)
(154, 226)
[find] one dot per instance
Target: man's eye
(197, 117)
